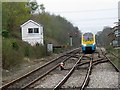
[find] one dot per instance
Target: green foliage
(27, 51)
(33, 6)
(57, 28)
(15, 46)
(13, 15)
(34, 51)
(110, 48)
(103, 38)
(39, 51)
(42, 8)
(5, 33)
(116, 52)
(11, 57)
(14, 51)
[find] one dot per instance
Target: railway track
(58, 82)
(104, 75)
(31, 77)
(78, 63)
(87, 76)
(68, 75)
(92, 62)
(47, 68)
(109, 60)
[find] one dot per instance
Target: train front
(88, 43)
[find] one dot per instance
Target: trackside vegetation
(111, 49)
(57, 30)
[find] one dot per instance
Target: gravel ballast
(76, 78)
(8, 76)
(103, 76)
(51, 80)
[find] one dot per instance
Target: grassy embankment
(116, 52)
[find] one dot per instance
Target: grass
(116, 52)
(14, 51)
(113, 50)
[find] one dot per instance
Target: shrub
(15, 46)
(39, 51)
(14, 51)
(11, 57)
(5, 33)
(26, 51)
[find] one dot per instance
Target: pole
(71, 42)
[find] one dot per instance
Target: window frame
(36, 29)
(30, 31)
(33, 30)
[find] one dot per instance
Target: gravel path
(103, 76)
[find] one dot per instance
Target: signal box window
(30, 30)
(36, 30)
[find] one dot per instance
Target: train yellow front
(88, 43)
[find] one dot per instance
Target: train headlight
(93, 43)
(84, 44)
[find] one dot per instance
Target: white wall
(32, 38)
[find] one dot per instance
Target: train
(88, 43)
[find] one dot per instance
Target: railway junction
(81, 71)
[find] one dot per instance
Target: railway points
(78, 72)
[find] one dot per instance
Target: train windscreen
(88, 37)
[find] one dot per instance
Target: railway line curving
(80, 73)
(30, 77)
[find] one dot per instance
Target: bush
(39, 51)
(15, 46)
(5, 33)
(26, 51)
(14, 51)
(11, 57)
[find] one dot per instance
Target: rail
(68, 75)
(15, 83)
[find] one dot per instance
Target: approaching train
(88, 43)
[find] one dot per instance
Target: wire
(93, 19)
(97, 10)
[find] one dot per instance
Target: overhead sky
(87, 15)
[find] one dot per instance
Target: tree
(14, 14)
(33, 6)
(42, 8)
(103, 38)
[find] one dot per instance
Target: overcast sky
(87, 15)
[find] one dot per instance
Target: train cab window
(88, 37)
